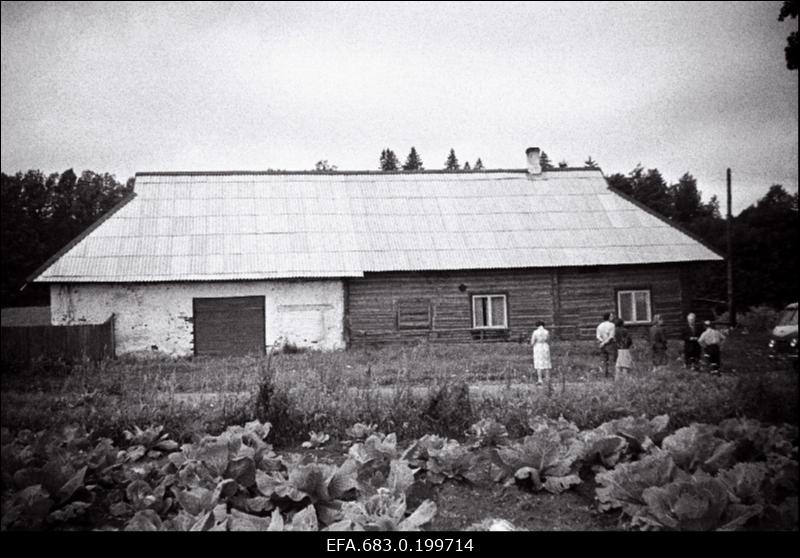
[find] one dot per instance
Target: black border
(97, 543)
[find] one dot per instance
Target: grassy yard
(411, 390)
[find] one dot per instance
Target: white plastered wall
(158, 316)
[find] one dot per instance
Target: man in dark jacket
(658, 342)
(691, 348)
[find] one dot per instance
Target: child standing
(658, 341)
(624, 358)
(541, 351)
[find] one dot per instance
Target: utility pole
(729, 234)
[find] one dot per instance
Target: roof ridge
(351, 172)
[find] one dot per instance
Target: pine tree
(389, 160)
(590, 163)
(451, 163)
(651, 189)
(324, 166)
(620, 183)
(467, 167)
(413, 162)
(688, 204)
(478, 165)
(544, 162)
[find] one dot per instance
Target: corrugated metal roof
(216, 226)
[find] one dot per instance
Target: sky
(130, 87)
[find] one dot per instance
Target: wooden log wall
(569, 300)
(587, 293)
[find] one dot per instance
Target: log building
(228, 263)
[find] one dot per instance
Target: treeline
(390, 162)
(40, 215)
(764, 237)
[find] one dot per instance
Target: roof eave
(35, 276)
(672, 224)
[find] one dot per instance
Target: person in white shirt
(608, 345)
(710, 341)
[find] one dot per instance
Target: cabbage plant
(541, 461)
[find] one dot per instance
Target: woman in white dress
(541, 351)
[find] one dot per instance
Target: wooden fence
(22, 345)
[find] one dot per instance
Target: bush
(265, 395)
(448, 409)
(41, 366)
(291, 349)
(757, 319)
(770, 397)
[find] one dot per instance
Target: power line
(746, 185)
(766, 179)
(760, 176)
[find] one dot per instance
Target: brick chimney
(534, 164)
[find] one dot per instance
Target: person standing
(624, 358)
(691, 348)
(608, 345)
(658, 342)
(541, 351)
(711, 341)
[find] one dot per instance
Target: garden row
(738, 474)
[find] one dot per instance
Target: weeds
(448, 410)
(408, 390)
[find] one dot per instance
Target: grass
(386, 366)
(411, 390)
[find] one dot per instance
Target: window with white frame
(634, 307)
(489, 311)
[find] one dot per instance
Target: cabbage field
(630, 473)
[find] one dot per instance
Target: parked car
(783, 339)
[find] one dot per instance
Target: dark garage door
(232, 326)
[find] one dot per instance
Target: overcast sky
(122, 88)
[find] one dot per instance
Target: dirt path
(461, 505)
(477, 390)
(569, 511)
(482, 389)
